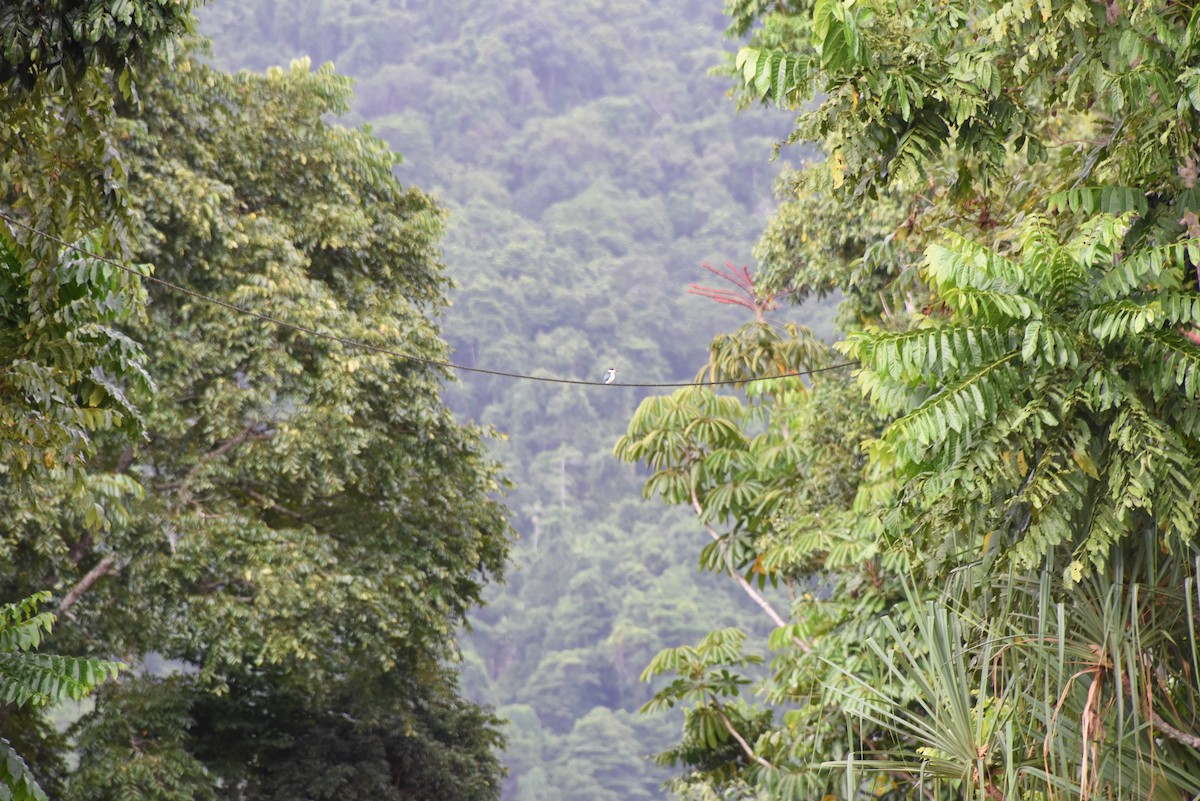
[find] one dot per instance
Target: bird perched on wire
(611, 375)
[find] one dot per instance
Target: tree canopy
(287, 540)
(967, 528)
(1002, 601)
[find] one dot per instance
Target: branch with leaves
(28, 678)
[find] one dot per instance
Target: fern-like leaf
(1091, 200)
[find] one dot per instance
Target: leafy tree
(773, 482)
(995, 593)
(61, 40)
(1065, 378)
(73, 372)
(134, 745)
(908, 87)
(566, 267)
(314, 522)
(601, 751)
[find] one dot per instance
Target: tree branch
(270, 504)
(102, 568)
(249, 433)
(755, 596)
(734, 733)
(1190, 740)
(1178, 735)
(1094, 156)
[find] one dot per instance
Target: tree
(656, 173)
(73, 372)
(910, 87)
(773, 482)
(314, 523)
(995, 607)
(1049, 402)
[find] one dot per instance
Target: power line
(354, 343)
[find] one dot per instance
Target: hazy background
(590, 165)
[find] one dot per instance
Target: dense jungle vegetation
(947, 544)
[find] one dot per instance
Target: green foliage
(906, 86)
(697, 446)
(1051, 399)
(779, 476)
(990, 607)
(29, 679)
(302, 447)
(709, 674)
(75, 372)
(16, 780)
(134, 745)
(300, 521)
(60, 40)
(172, 740)
(585, 189)
(42, 679)
(1076, 669)
(72, 371)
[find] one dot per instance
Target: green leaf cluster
(60, 40)
(1050, 401)
(29, 679)
(905, 86)
(73, 371)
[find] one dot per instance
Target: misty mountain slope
(589, 164)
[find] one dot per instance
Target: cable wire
(354, 343)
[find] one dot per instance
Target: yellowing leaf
(837, 168)
(1085, 463)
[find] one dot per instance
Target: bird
(611, 375)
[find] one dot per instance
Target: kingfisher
(611, 375)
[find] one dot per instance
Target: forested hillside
(590, 165)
